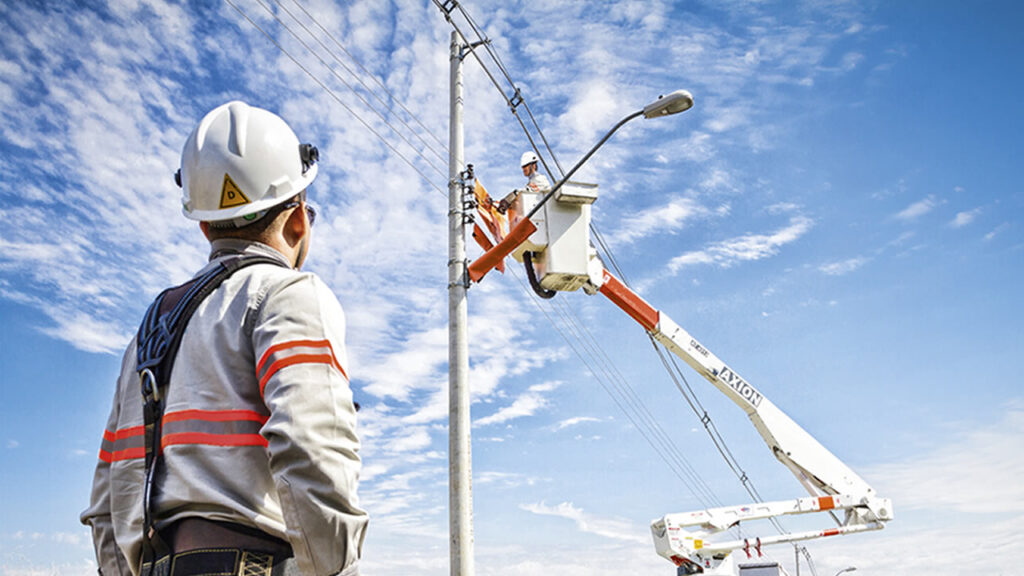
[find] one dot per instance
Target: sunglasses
(310, 210)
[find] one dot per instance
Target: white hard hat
(240, 161)
(528, 158)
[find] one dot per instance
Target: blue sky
(838, 218)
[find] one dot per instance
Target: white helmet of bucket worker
(527, 158)
(241, 161)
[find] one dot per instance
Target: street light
(850, 569)
(674, 103)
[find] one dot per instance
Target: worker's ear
(205, 227)
(296, 226)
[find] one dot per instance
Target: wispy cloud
(661, 219)
(977, 473)
(918, 209)
(526, 404)
(970, 479)
(964, 218)
(569, 422)
(744, 248)
(843, 267)
(613, 528)
(996, 231)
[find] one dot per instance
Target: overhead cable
(514, 102)
(372, 77)
(337, 98)
(440, 172)
(627, 403)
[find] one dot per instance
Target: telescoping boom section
(832, 485)
(555, 246)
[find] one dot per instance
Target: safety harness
(157, 344)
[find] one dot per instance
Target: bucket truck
(554, 243)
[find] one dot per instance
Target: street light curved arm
(674, 103)
(850, 569)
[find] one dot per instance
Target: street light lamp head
(674, 103)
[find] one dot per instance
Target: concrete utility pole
(460, 475)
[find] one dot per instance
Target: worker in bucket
(537, 184)
(243, 459)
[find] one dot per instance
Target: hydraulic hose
(532, 275)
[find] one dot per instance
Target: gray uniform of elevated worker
(259, 463)
(537, 184)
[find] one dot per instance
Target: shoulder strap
(157, 344)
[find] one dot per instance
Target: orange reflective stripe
(213, 439)
(295, 344)
(210, 427)
(214, 416)
(288, 357)
(298, 359)
(126, 454)
(123, 433)
(124, 444)
(213, 428)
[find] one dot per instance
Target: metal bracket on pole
(468, 48)
(464, 281)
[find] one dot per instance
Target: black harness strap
(158, 340)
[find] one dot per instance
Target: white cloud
(965, 489)
(614, 528)
(575, 422)
(996, 231)
(964, 218)
(411, 440)
(82, 568)
(918, 209)
(504, 479)
(744, 248)
(977, 472)
(843, 267)
(526, 404)
(851, 60)
(657, 220)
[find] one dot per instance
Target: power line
(514, 102)
(615, 385)
(336, 98)
(517, 98)
(630, 393)
(372, 77)
(640, 416)
(340, 79)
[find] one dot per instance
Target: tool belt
(203, 547)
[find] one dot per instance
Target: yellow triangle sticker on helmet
(231, 195)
